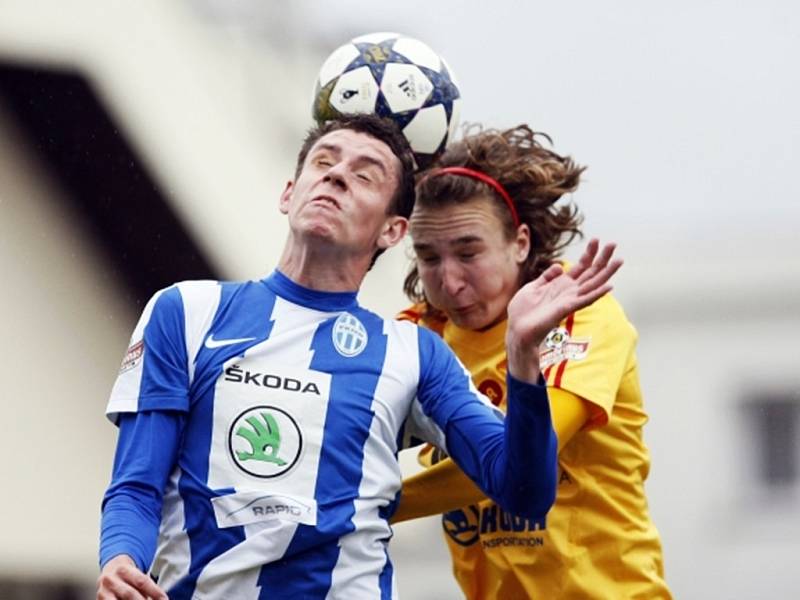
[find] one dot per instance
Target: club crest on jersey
(349, 335)
(558, 346)
(265, 441)
(132, 357)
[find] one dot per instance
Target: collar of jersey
(486, 342)
(316, 299)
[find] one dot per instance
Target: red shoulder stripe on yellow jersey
(419, 314)
(410, 314)
(563, 365)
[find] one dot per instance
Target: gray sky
(685, 112)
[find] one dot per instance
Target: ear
(522, 243)
(286, 197)
(394, 229)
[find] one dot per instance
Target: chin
(319, 230)
(468, 321)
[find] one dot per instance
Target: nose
(452, 278)
(336, 176)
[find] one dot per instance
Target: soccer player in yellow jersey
(487, 221)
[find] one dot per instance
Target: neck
(322, 267)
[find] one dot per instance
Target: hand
(542, 304)
(121, 578)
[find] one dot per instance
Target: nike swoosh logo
(211, 343)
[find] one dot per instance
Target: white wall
(64, 330)
(703, 355)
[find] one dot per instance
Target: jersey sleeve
(131, 512)
(154, 373)
(588, 355)
(512, 461)
(420, 428)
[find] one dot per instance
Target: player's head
(386, 139)
(486, 222)
(353, 188)
(402, 203)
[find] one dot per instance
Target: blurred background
(147, 142)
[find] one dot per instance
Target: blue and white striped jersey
(259, 429)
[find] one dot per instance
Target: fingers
(600, 277)
(150, 589)
(114, 588)
(128, 582)
(605, 256)
(552, 272)
(542, 303)
(588, 298)
(586, 259)
(601, 260)
(592, 280)
(594, 260)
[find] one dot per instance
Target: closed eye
(428, 260)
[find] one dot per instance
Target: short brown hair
(381, 129)
(535, 178)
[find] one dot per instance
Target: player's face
(468, 267)
(343, 193)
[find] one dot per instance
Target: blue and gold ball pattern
(397, 77)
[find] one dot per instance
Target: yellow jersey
(598, 540)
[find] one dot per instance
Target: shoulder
(605, 309)
(193, 299)
(211, 290)
(406, 329)
(412, 313)
(186, 289)
(427, 341)
(422, 315)
(605, 315)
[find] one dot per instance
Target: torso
(598, 540)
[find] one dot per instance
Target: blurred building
(144, 143)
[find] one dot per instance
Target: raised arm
(541, 304)
(520, 473)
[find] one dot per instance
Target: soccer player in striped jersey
(259, 422)
(486, 222)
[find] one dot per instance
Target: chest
(306, 395)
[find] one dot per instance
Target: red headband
(493, 183)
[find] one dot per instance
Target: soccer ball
(393, 76)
